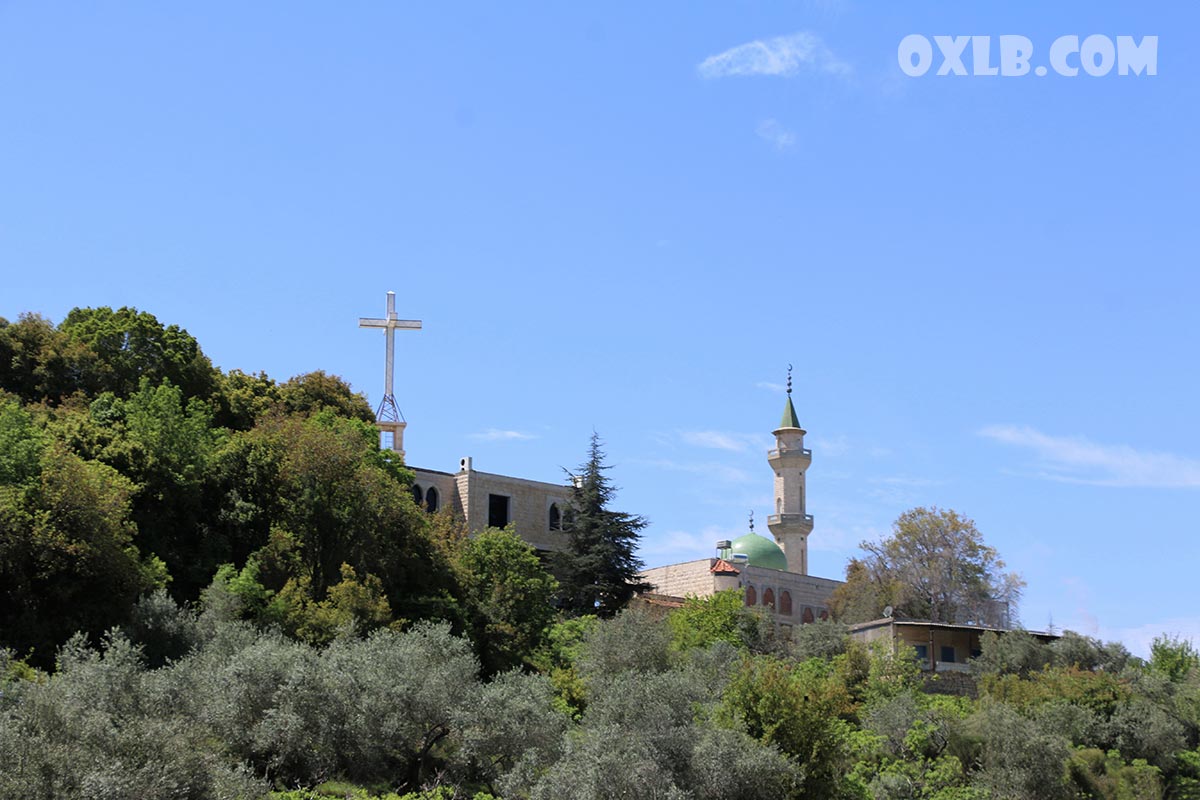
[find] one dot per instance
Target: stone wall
(467, 494)
(443, 482)
(806, 593)
(528, 506)
(691, 578)
(809, 595)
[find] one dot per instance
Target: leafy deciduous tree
(934, 566)
(124, 347)
(67, 558)
(509, 594)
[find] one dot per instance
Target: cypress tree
(599, 571)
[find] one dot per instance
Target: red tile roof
(723, 567)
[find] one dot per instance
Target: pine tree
(599, 571)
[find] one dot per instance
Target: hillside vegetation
(215, 585)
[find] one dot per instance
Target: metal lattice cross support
(388, 416)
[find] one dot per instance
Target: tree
(67, 556)
(35, 359)
(934, 566)
(509, 593)
(1173, 657)
(599, 572)
(721, 617)
(800, 709)
(123, 347)
(309, 393)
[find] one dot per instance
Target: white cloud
(905, 480)
(495, 435)
(721, 473)
(1074, 459)
(831, 446)
(830, 536)
(771, 131)
(681, 545)
(721, 440)
(772, 387)
(783, 56)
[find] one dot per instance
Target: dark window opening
(807, 616)
(922, 652)
(555, 518)
(751, 596)
(785, 603)
(431, 500)
(769, 599)
(497, 510)
(947, 654)
(416, 494)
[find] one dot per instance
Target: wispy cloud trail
(782, 56)
(496, 435)
(1074, 459)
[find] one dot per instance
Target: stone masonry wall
(682, 580)
(466, 492)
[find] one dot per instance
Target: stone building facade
(790, 597)
(537, 510)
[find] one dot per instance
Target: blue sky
(633, 219)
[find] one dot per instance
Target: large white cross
(388, 412)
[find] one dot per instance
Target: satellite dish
(887, 611)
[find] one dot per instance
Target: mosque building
(773, 574)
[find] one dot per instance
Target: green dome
(761, 550)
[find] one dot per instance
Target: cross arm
(406, 324)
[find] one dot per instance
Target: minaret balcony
(787, 451)
(790, 520)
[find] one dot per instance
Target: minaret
(790, 524)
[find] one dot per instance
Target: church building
(487, 500)
(481, 499)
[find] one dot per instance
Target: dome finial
(752, 520)
(789, 387)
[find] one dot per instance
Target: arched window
(431, 500)
(555, 518)
(785, 602)
(417, 494)
(769, 598)
(807, 616)
(751, 596)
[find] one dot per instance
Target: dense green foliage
(660, 710)
(129, 464)
(216, 586)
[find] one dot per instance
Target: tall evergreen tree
(599, 572)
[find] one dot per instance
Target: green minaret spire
(790, 420)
